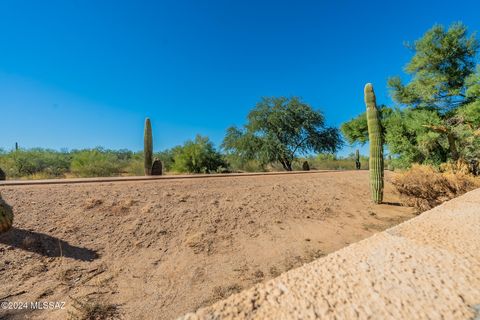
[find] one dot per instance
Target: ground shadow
(20, 314)
(397, 204)
(45, 245)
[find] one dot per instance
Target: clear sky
(77, 74)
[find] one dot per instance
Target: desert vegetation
(278, 130)
(423, 187)
(434, 122)
(436, 116)
(195, 242)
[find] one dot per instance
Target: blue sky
(77, 74)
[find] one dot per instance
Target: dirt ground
(159, 249)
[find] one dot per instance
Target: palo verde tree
(437, 112)
(197, 156)
(280, 129)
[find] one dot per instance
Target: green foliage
(95, 163)
(375, 137)
(439, 112)
(444, 82)
(197, 156)
(148, 147)
(238, 164)
(326, 161)
(279, 130)
(408, 135)
(134, 165)
(356, 130)
(22, 162)
(440, 67)
(166, 156)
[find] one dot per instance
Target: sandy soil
(425, 268)
(159, 249)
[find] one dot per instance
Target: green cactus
(6, 216)
(148, 147)
(376, 145)
(157, 168)
(305, 166)
(358, 164)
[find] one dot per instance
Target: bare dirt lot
(159, 249)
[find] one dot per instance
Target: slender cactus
(148, 147)
(6, 216)
(358, 164)
(376, 145)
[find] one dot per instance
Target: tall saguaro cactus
(148, 147)
(376, 145)
(6, 216)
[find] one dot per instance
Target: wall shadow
(45, 245)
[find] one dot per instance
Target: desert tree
(279, 129)
(197, 156)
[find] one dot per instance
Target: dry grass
(91, 309)
(424, 187)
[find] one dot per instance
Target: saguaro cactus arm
(376, 145)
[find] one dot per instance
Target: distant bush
(424, 187)
(197, 156)
(135, 167)
(237, 164)
(167, 158)
(35, 162)
(332, 162)
(96, 163)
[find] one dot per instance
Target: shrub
(197, 156)
(423, 187)
(95, 163)
(136, 167)
(332, 162)
(32, 162)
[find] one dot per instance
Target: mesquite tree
(280, 129)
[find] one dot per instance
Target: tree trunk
(452, 146)
(286, 164)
